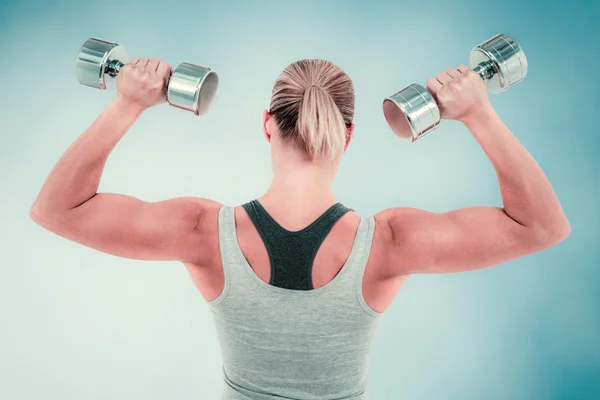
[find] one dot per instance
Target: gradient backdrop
(79, 324)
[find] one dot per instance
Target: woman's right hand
(459, 93)
(143, 82)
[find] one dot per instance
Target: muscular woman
(296, 281)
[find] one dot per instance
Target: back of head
(313, 105)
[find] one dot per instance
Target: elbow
(37, 216)
(554, 234)
(559, 234)
(34, 213)
(561, 229)
(566, 228)
(41, 216)
(564, 231)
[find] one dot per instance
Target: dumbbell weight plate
(412, 112)
(92, 60)
(192, 88)
(508, 60)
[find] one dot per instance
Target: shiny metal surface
(485, 70)
(412, 112)
(93, 57)
(505, 57)
(113, 67)
(192, 88)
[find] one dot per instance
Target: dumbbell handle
(485, 70)
(113, 67)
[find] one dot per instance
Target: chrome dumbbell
(191, 87)
(412, 112)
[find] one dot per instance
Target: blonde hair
(313, 105)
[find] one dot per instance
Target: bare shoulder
(391, 256)
(204, 241)
(400, 239)
(397, 225)
(208, 212)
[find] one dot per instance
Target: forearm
(527, 194)
(76, 176)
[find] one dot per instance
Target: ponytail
(320, 124)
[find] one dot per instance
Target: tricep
(129, 227)
(418, 241)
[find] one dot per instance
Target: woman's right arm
(531, 219)
(69, 205)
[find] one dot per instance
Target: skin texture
(407, 240)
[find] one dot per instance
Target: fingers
(130, 64)
(453, 73)
(443, 78)
(444, 82)
(463, 69)
(164, 70)
(152, 65)
(433, 86)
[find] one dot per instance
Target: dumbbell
(413, 113)
(191, 87)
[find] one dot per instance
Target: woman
(297, 282)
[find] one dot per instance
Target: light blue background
(79, 324)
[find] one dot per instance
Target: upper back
(379, 284)
(297, 343)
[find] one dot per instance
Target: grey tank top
(279, 343)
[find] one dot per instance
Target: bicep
(459, 240)
(129, 227)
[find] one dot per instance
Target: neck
(301, 183)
